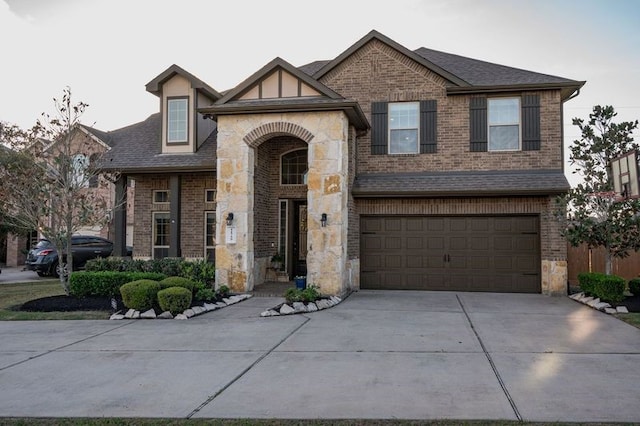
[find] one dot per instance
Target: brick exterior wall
(379, 73)
(192, 211)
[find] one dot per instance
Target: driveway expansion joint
(246, 370)
(491, 363)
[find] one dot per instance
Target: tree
(45, 178)
(592, 212)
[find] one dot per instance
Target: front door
(299, 238)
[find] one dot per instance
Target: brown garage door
(474, 253)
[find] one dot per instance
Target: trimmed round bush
(174, 299)
(140, 295)
(634, 286)
(177, 282)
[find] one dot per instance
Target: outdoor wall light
(229, 219)
(323, 220)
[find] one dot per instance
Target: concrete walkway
(383, 354)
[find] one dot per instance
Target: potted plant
(276, 261)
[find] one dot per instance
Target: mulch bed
(632, 303)
(69, 303)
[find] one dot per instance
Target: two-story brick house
(382, 168)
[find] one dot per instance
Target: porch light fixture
(229, 219)
(323, 220)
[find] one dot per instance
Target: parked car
(43, 258)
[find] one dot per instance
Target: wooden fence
(581, 259)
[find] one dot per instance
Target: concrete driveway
(382, 354)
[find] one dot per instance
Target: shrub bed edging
(188, 313)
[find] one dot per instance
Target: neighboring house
(90, 144)
(384, 168)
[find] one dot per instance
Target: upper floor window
(210, 195)
(161, 196)
(504, 124)
(294, 167)
(404, 128)
(79, 171)
(177, 120)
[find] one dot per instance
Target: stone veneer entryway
(326, 134)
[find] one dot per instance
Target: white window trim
(207, 191)
(153, 233)
(186, 138)
(206, 247)
(389, 129)
(156, 191)
(305, 174)
(519, 123)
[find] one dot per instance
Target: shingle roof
(461, 183)
(481, 73)
(103, 136)
(136, 148)
(313, 67)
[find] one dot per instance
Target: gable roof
(328, 100)
(154, 86)
(99, 136)
(375, 35)
(466, 75)
(136, 149)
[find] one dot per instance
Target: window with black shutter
(404, 127)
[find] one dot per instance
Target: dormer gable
(278, 80)
(181, 94)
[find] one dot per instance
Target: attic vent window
(177, 120)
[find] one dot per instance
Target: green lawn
(632, 318)
(14, 295)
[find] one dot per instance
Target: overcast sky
(107, 50)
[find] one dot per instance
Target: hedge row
(195, 270)
(105, 283)
(609, 288)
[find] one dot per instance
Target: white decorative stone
(335, 300)
(323, 304)
(622, 309)
(236, 299)
(311, 307)
(189, 313)
(130, 313)
(586, 300)
(611, 310)
(228, 301)
(265, 314)
(600, 306)
(198, 310)
(594, 302)
(165, 315)
(221, 304)
(116, 316)
(286, 310)
(181, 317)
(274, 313)
(576, 296)
(299, 307)
(150, 314)
(136, 315)
(210, 307)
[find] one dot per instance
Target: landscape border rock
(188, 313)
(301, 308)
(596, 304)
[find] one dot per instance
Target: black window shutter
(379, 128)
(428, 127)
(478, 124)
(530, 122)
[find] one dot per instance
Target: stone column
(328, 185)
(235, 162)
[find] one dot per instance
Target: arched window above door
(293, 167)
